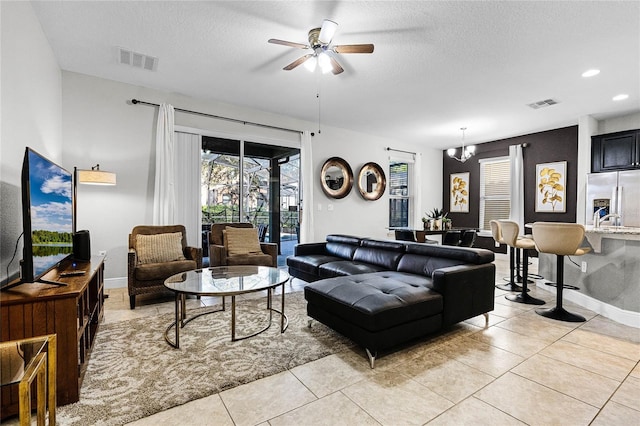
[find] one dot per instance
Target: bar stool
(561, 239)
(496, 232)
(510, 235)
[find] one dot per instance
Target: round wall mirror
(371, 181)
(336, 178)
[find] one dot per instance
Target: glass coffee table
(225, 281)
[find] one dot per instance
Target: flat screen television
(47, 215)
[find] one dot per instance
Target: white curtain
(417, 198)
(163, 196)
(517, 186)
(188, 211)
(306, 164)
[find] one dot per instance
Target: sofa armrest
(131, 266)
(217, 255)
(272, 250)
(467, 291)
(310, 248)
(194, 253)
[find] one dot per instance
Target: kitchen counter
(595, 235)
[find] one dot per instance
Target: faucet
(597, 220)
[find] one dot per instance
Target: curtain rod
(235, 120)
(400, 150)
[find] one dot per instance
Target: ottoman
(376, 310)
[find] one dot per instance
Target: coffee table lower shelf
(182, 320)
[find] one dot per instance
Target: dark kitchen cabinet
(615, 151)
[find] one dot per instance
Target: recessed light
(590, 73)
(621, 97)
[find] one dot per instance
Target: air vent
(137, 60)
(542, 104)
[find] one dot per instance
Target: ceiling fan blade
(297, 62)
(337, 69)
(327, 31)
(288, 43)
(354, 48)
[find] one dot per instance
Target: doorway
(259, 183)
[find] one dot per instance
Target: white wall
(101, 126)
(31, 114)
(619, 124)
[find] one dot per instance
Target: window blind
(494, 190)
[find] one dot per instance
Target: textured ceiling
(437, 66)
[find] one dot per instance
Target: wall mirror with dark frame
(371, 181)
(336, 178)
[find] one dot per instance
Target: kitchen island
(611, 283)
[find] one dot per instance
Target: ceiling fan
(323, 52)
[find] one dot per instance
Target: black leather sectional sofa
(384, 293)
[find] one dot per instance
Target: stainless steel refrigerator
(616, 192)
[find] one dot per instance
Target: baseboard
(119, 282)
(632, 319)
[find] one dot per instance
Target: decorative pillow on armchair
(158, 248)
(241, 241)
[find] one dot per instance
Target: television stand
(73, 312)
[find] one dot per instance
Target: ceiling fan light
(324, 61)
(310, 64)
(327, 31)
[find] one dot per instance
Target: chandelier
(465, 153)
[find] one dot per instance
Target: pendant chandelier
(465, 153)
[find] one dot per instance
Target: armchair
(156, 253)
(219, 254)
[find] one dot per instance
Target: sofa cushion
(346, 267)
(385, 254)
(425, 260)
(344, 239)
(309, 263)
(158, 248)
(216, 238)
(342, 246)
(376, 301)
(250, 259)
(241, 241)
(161, 271)
(476, 256)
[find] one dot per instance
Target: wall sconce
(95, 176)
(465, 153)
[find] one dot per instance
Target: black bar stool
(561, 239)
(510, 235)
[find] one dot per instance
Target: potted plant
(446, 222)
(435, 219)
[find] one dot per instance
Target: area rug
(133, 372)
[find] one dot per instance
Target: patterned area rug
(134, 373)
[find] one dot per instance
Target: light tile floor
(520, 369)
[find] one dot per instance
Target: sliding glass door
(245, 181)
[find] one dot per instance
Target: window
(495, 190)
(399, 194)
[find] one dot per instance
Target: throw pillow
(241, 241)
(158, 248)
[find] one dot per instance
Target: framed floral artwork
(459, 196)
(550, 187)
